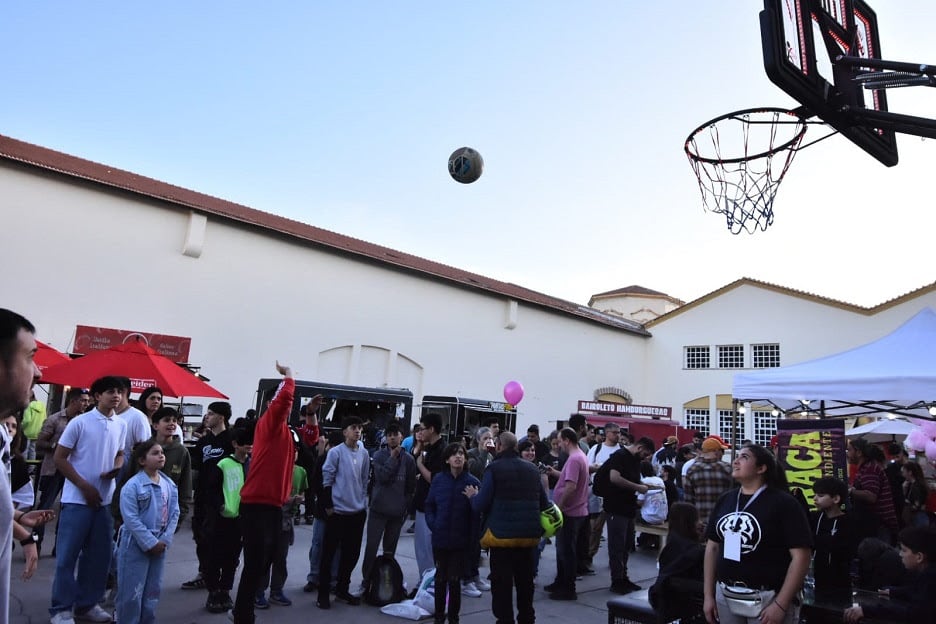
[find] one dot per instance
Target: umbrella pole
(734, 427)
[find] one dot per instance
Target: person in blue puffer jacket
(453, 524)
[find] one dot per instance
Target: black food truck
(375, 406)
(461, 417)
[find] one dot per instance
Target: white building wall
(77, 253)
(804, 328)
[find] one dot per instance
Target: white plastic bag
(425, 595)
(406, 609)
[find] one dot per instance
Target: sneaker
(585, 571)
(279, 598)
(224, 599)
(323, 604)
(551, 587)
(412, 528)
(94, 614)
(347, 597)
(469, 589)
(196, 583)
(623, 587)
(482, 584)
(214, 604)
(310, 587)
(260, 601)
(63, 617)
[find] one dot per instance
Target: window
(697, 420)
(697, 357)
(765, 427)
(731, 356)
(724, 427)
(765, 355)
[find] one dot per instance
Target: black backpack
(601, 482)
(384, 584)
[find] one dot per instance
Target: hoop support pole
(857, 61)
(905, 124)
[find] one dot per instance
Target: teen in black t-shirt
(757, 536)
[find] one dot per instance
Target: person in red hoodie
(266, 490)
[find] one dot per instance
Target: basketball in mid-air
(465, 165)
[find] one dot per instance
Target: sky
(343, 114)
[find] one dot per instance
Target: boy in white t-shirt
(89, 455)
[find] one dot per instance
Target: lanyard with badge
(733, 528)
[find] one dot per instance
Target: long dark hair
(141, 402)
(139, 452)
(684, 521)
(775, 475)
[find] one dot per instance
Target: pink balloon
(513, 392)
(929, 429)
(916, 440)
(931, 450)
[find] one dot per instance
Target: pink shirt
(575, 475)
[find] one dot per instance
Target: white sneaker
(482, 584)
(94, 614)
(63, 617)
(469, 589)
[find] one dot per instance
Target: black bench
(684, 598)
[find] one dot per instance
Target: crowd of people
(737, 537)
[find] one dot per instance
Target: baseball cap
(713, 443)
(670, 441)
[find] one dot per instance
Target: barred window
(765, 427)
(724, 427)
(731, 356)
(697, 357)
(765, 355)
(697, 420)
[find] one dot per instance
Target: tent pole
(734, 427)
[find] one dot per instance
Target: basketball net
(740, 159)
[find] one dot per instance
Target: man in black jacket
(511, 497)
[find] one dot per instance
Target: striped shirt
(870, 477)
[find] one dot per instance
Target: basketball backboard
(801, 40)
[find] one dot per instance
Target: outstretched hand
(35, 518)
(285, 371)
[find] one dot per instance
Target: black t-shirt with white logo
(770, 526)
(434, 465)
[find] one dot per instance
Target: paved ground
(30, 599)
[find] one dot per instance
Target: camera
(542, 467)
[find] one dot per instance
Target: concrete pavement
(30, 599)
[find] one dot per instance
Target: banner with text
(622, 409)
(88, 339)
(810, 449)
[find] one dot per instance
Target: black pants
(344, 531)
(450, 565)
(222, 546)
(512, 568)
(49, 488)
(201, 537)
(261, 526)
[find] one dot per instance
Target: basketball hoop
(740, 159)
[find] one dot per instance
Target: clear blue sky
(342, 115)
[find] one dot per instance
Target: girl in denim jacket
(149, 504)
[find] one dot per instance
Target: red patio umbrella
(137, 361)
(46, 356)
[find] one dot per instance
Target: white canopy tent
(882, 430)
(895, 374)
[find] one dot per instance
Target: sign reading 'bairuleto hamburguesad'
(622, 409)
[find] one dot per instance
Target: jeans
(450, 564)
(276, 579)
(422, 538)
(315, 553)
(260, 526)
(344, 531)
(85, 540)
(566, 556)
(620, 539)
(139, 578)
(380, 526)
(512, 568)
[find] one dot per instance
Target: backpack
(384, 584)
(601, 482)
